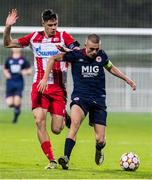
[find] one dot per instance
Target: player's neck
(48, 35)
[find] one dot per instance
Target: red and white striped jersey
(44, 47)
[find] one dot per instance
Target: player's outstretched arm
(116, 72)
(43, 83)
(10, 20)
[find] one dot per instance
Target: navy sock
(17, 112)
(69, 144)
(100, 146)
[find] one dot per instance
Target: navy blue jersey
(88, 74)
(15, 66)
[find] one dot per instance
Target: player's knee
(56, 130)
(40, 122)
(100, 139)
(75, 123)
(10, 105)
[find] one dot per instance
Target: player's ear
(85, 44)
(43, 23)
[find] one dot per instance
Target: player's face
(50, 27)
(92, 48)
(16, 53)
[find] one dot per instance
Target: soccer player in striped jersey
(89, 93)
(53, 99)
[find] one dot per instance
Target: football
(129, 161)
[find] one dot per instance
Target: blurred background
(125, 30)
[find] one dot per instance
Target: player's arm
(43, 83)
(27, 71)
(70, 42)
(26, 68)
(116, 72)
(6, 70)
(6, 73)
(10, 20)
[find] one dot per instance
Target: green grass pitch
(22, 158)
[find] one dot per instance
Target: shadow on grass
(37, 171)
(114, 173)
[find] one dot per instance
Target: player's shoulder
(77, 52)
(8, 59)
(61, 33)
(37, 34)
(102, 53)
(66, 35)
(73, 55)
(23, 58)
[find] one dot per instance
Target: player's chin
(51, 34)
(93, 56)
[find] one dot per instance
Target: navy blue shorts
(97, 113)
(14, 88)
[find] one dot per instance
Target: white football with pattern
(129, 161)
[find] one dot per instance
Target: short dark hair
(49, 14)
(94, 38)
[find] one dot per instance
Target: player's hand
(132, 84)
(8, 76)
(63, 49)
(42, 85)
(11, 18)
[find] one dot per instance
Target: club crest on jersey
(98, 59)
(21, 61)
(56, 40)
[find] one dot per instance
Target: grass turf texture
(22, 158)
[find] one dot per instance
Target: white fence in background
(120, 97)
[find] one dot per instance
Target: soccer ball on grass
(129, 161)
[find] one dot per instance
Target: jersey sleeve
(71, 56)
(68, 39)
(26, 64)
(25, 40)
(106, 62)
(6, 65)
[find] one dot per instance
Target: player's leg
(98, 117)
(10, 101)
(44, 139)
(57, 123)
(40, 106)
(18, 89)
(17, 107)
(57, 110)
(100, 143)
(9, 94)
(77, 115)
(67, 120)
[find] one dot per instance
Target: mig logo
(90, 71)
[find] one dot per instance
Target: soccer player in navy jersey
(53, 100)
(16, 66)
(89, 94)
